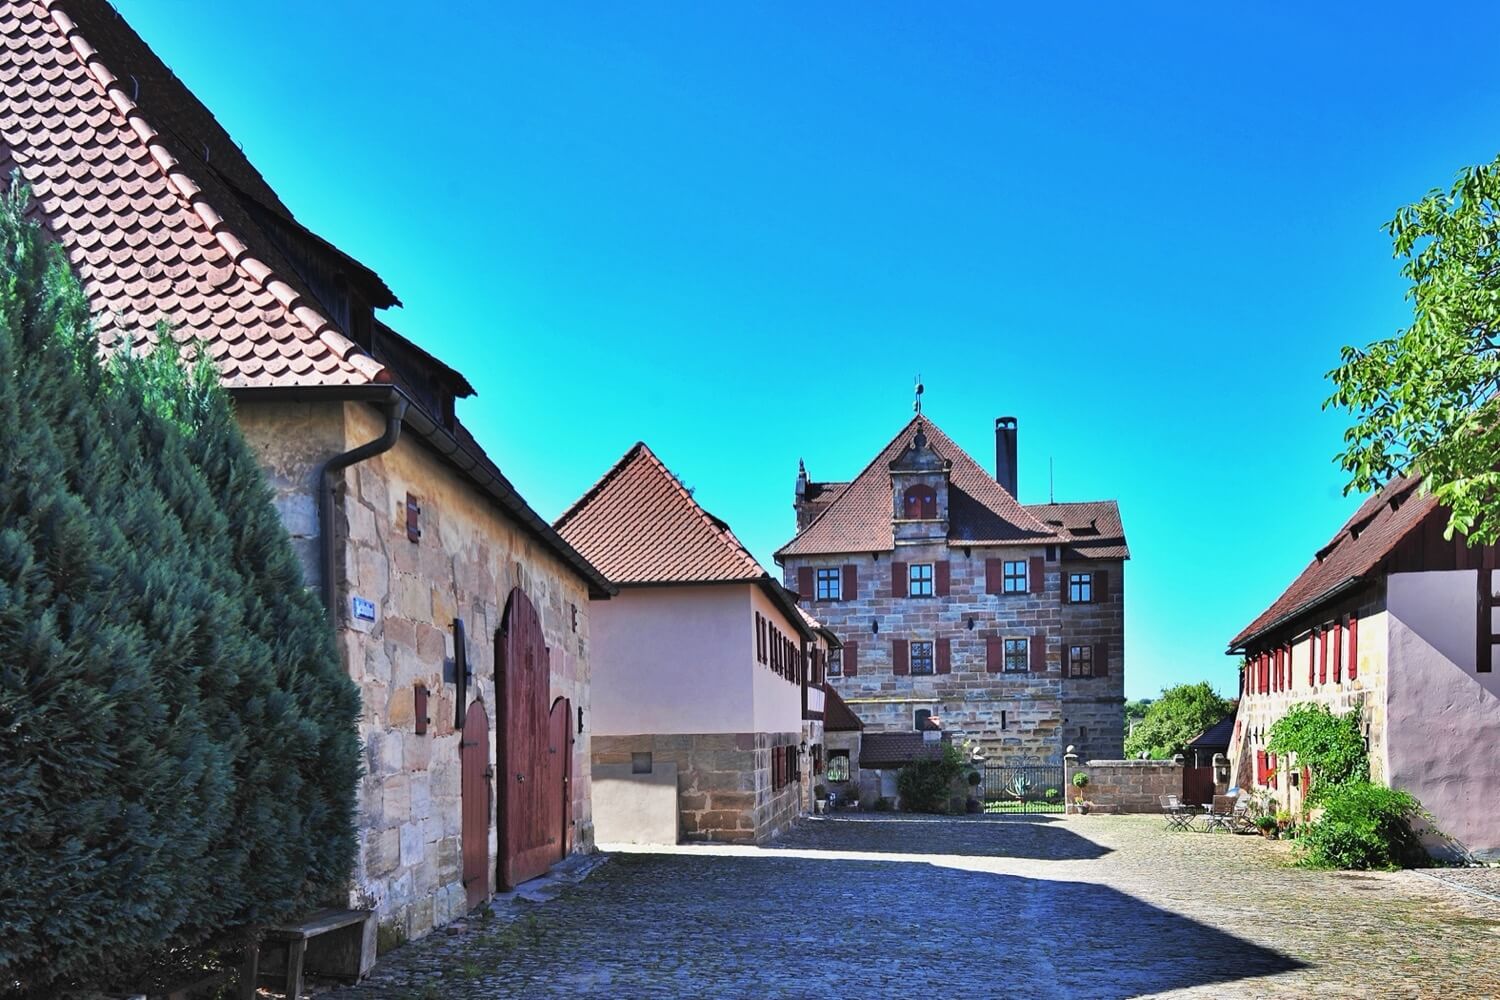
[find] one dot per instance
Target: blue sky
(737, 232)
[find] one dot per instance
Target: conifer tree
(178, 752)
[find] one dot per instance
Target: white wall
(674, 660)
(1443, 719)
(778, 701)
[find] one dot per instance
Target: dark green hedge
(178, 751)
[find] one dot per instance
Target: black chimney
(1005, 453)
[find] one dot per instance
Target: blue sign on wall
(364, 609)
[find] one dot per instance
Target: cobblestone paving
(1098, 906)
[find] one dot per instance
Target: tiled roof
(838, 717)
(895, 749)
(1217, 735)
(1094, 528)
(1379, 525)
(638, 524)
(858, 518)
(149, 198)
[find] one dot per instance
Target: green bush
(178, 751)
(1363, 826)
(1330, 746)
(926, 785)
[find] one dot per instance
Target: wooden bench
(339, 944)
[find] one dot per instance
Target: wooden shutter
(850, 658)
(900, 661)
(1101, 659)
(806, 584)
(1260, 767)
(1338, 650)
(994, 655)
(1312, 657)
(944, 656)
(1101, 585)
(1354, 646)
(850, 589)
(1034, 575)
(419, 708)
(898, 579)
(1323, 656)
(1271, 768)
(1038, 649)
(994, 576)
(940, 578)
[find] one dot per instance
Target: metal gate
(475, 771)
(533, 780)
(1030, 788)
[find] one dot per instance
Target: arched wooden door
(531, 800)
(475, 771)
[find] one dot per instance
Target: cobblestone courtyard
(1099, 906)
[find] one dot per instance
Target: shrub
(1363, 826)
(1330, 746)
(925, 785)
(178, 752)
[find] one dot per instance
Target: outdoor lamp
(802, 749)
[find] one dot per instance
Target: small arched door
(475, 773)
(534, 751)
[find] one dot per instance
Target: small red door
(475, 772)
(532, 777)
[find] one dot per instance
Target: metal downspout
(395, 410)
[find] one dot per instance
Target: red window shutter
(1101, 585)
(1354, 647)
(1037, 647)
(994, 655)
(994, 576)
(944, 656)
(1306, 781)
(898, 579)
(1101, 659)
(1260, 767)
(1323, 656)
(1338, 651)
(1286, 670)
(805, 585)
(1275, 670)
(900, 662)
(1265, 673)
(851, 658)
(1271, 768)
(940, 578)
(850, 589)
(1034, 575)
(1312, 657)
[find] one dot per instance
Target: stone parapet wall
(1128, 786)
(725, 791)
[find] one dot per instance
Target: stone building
(702, 663)
(447, 592)
(1394, 623)
(953, 599)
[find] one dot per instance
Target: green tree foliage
(1423, 399)
(1363, 826)
(926, 785)
(1174, 719)
(178, 752)
(1330, 746)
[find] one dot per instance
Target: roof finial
(917, 403)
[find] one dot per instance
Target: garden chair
(1221, 814)
(1178, 816)
(1239, 817)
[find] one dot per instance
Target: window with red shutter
(994, 655)
(994, 576)
(898, 579)
(1101, 585)
(1038, 569)
(1323, 656)
(941, 578)
(850, 590)
(1312, 657)
(900, 665)
(849, 660)
(1338, 650)
(944, 656)
(1353, 647)
(805, 584)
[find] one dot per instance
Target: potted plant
(972, 803)
(1267, 826)
(850, 796)
(1283, 819)
(1053, 794)
(1080, 782)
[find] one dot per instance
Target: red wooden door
(531, 838)
(560, 781)
(1198, 785)
(475, 772)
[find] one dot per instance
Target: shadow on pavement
(1039, 837)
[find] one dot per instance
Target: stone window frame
(833, 664)
(828, 583)
(1081, 588)
(923, 652)
(1016, 655)
(920, 580)
(1014, 576)
(1080, 661)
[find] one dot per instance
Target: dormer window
(919, 503)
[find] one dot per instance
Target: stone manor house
(954, 600)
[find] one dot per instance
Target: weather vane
(917, 403)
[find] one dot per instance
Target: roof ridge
(182, 184)
(852, 480)
(609, 474)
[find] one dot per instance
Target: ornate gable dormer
(919, 492)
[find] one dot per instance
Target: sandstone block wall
(1043, 712)
(1128, 786)
(465, 565)
(725, 791)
